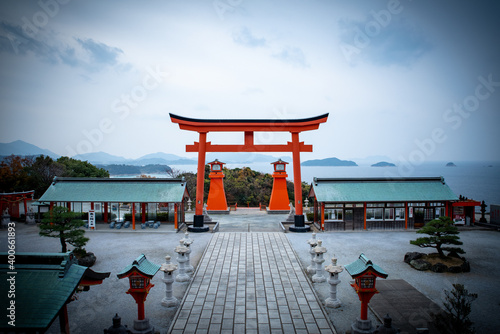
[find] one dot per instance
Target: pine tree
(455, 320)
(441, 232)
(63, 224)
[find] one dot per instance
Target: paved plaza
(250, 283)
(238, 271)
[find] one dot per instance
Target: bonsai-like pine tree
(455, 319)
(63, 224)
(441, 232)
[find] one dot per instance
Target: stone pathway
(250, 283)
(408, 308)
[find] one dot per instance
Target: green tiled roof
(41, 288)
(382, 190)
(142, 265)
(119, 190)
(361, 265)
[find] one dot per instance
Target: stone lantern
(181, 251)
(313, 242)
(365, 273)
(168, 269)
(334, 272)
(187, 241)
(319, 250)
(140, 273)
(117, 327)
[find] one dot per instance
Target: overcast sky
(410, 80)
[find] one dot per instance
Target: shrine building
(385, 203)
(106, 196)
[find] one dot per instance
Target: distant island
(451, 164)
(328, 162)
(383, 164)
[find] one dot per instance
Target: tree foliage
(65, 225)
(13, 175)
(455, 320)
(29, 173)
(77, 168)
(441, 232)
(241, 185)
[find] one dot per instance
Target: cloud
(100, 52)
(14, 40)
(396, 43)
(292, 55)
(47, 46)
(244, 37)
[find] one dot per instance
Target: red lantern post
(140, 273)
(365, 274)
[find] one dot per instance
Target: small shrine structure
(216, 202)
(279, 201)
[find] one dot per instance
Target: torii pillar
(248, 127)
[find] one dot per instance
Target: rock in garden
(88, 260)
(439, 268)
(465, 266)
(455, 269)
(420, 264)
(410, 256)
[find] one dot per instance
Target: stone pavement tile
(239, 318)
(216, 319)
(190, 328)
(264, 329)
(227, 324)
(193, 318)
(251, 324)
(263, 318)
(239, 328)
(240, 309)
(204, 323)
(275, 323)
(312, 328)
(214, 328)
(251, 314)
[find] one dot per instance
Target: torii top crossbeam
(248, 127)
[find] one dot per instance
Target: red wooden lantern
(365, 274)
(139, 274)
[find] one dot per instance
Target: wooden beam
(249, 148)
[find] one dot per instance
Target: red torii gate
(248, 127)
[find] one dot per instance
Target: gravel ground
(387, 249)
(114, 250)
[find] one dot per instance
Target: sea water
(475, 180)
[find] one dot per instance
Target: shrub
(162, 216)
(455, 319)
(310, 216)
